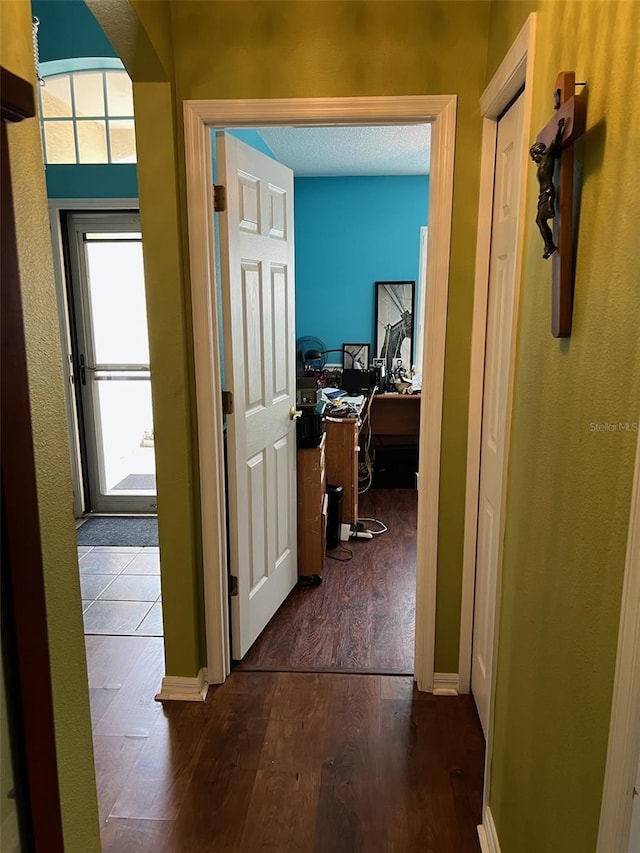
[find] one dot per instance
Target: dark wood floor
(362, 617)
(313, 763)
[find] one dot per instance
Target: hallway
(280, 761)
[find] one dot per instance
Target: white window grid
(75, 119)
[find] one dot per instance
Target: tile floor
(120, 590)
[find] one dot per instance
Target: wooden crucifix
(555, 143)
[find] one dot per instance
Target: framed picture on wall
(355, 356)
(394, 323)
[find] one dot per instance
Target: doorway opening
(109, 352)
(362, 617)
(200, 118)
(104, 324)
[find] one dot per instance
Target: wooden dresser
(312, 509)
(342, 462)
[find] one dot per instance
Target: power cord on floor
(383, 527)
(341, 559)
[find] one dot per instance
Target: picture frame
(394, 323)
(355, 356)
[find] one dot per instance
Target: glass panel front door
(112, 363)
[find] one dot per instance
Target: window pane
(92, 142)
(56, 96)
(127, 451)
(123, 141)
(117, 301)
(59, 142)
(119, 94)
(113, 235)
(89, 94)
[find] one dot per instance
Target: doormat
(137, 482)
(132, 531)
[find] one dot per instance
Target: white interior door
(496, 378)
(256, 252)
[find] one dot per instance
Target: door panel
(111, 358)
(256, 252)
(495, 394)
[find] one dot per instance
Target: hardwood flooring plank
(138, 836)
(156, 786)
(278, 815)
(315, 763)
(111, 659)
(217, 800)
(114, 757)
(462, 730)
(362, 617)
(100, 698)
(305, 697)
(349, 816)
(413, 812)
(134, 710)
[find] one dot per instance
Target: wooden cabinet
(395, 419)
(312, 509)
(342, 462)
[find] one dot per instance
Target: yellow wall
(57, 529)
(293, 49)
(569, 485)
(142, 35)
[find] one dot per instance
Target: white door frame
(200, 117)
(56, 207)
(514, 73)
(624, 731)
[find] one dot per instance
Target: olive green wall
(57, 528)
(159, 146)
(506, 21)
(569, 483)
(293, 49)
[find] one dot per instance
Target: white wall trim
(624, 731)
(199, 118)
(177, 689)
(56, 206)
(446, 684)
(487, 834)
(515, 71)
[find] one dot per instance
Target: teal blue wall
(95, 181)
(253, 138)
(350, 233)
(68, 29)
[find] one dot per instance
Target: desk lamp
(316, 355)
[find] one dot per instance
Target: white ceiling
(340, 151)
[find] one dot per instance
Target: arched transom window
(87, 117)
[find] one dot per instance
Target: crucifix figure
(545, 156)
(555, 143)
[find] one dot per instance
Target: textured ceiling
(339, 151)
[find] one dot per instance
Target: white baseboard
(487, 834)
(446, 684)
(178, 689)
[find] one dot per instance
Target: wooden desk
(312, 509)
(396, 416)
(342, 462)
